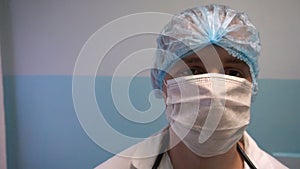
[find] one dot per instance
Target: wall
(2, 115)
(44, 40)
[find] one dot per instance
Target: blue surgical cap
(196, 28)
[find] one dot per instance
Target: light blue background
(44, 132)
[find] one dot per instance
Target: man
(206, 67)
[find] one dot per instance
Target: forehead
(211, 59)
(211, 53)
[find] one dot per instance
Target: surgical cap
(196, 28)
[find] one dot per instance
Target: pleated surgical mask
(209, 112)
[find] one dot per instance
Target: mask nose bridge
(215, 70)
(213, 66)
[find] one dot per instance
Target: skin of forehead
(211, 50)
(212, 57)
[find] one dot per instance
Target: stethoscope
(165, 142)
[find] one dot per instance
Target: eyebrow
(196, 58)
(234, 60)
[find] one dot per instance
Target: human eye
(234, 72)
(185, 72)
(190, 71)
(198, 70)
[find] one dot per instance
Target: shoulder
(260, 158)
(141, 155)
(115, 162)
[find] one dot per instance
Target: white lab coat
(259, 158)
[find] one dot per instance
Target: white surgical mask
(209, 112)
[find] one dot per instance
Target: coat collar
(147, 151)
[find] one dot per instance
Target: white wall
(48, 35)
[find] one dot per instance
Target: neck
(182, 157)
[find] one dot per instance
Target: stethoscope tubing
(245, 157)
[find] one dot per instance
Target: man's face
(211, 59)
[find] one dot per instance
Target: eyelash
(237, 73)
(193, 71)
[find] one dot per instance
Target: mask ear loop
(165, 93)
(165, 83)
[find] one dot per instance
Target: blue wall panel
(43, 130)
